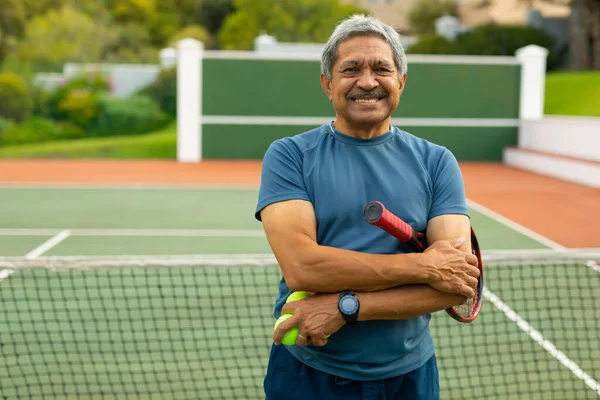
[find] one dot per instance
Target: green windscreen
(290, 88)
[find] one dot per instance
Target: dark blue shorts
(289, 379)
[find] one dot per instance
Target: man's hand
(452, 270)
(316, 317)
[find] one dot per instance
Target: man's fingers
(288, 308)
(283, 327)
(319, 342)
(303, 339)
(472, 271)
(472, 259)
(468, 292)
(472, 282)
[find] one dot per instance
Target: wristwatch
(349, 305)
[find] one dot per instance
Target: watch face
(348, 305)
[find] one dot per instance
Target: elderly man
(364, 333)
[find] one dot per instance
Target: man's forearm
(328, 269)
(404, 302)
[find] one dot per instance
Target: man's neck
(367, 131)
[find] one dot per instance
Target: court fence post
(189, 100)
(533, 79)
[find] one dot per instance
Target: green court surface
(132, 245)
(20, 245)
(205, 332)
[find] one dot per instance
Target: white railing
(577, 137)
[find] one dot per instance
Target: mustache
(360, 94)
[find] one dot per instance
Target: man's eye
(351, 69)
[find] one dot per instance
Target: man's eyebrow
(383, 63)
(356, 63)
(350, 63)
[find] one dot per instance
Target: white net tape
(589, 257)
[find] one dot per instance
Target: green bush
(502, 40)
(164, 90)
(40, 100)
(491, 40)
(133, 115)
(434, 44)
(63, 104)
(15, 99)
(80, 106)
(5, 126)
(38, 130)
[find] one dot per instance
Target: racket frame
(376, 214)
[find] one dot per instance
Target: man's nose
(367, 80)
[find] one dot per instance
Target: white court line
(541, 340)
(593, 265)
(5, 273)
(138, 232)
(513, 225)
(127, 186)
(48, 244)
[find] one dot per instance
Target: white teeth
(366, 100)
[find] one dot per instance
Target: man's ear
(326, 85)
(402, 83)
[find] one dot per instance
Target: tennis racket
(377, 215)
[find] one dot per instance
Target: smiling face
(365, 88)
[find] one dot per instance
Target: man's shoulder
(420, 144)
(301, 142)
(431, 156)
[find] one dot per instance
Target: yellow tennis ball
(290, 337)
(296, 296)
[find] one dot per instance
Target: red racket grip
(377, 215)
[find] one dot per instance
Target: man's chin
(369, 118)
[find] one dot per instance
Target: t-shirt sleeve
(448, 187)
(281, 176)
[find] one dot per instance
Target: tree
(34, 8)
(584, 32)
(424, 13)
(131, 44)
(212, 13)
(12, 24)
(161, 18)
(287, 20)
(66, 35)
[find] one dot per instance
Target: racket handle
(377, 215)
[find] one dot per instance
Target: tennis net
(199, 327)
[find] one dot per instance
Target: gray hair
(362, 25)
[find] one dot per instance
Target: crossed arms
(389, 286)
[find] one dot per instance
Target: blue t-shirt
(415, 179)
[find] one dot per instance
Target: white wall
(569, 136)
(126, 78)
(584, 173)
